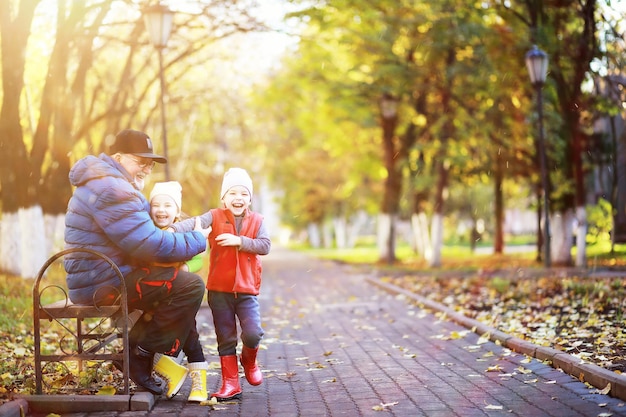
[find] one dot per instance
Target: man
(109, 214)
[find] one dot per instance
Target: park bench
(87, 333)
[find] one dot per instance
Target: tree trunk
(421, 235)
(437, 227)
(18, 184)
(393, 186)
(437, 240)
(498, 241)
(315, 239)
(562, 238)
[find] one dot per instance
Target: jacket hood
(92, 167)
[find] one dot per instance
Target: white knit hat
(170, 188)
(236, 176)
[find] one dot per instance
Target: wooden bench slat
(67, 310)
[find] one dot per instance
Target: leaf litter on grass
(583, 316)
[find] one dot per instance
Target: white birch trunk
(10, 247)
(340, 226)
(581, 237)
(421, 238)
(314, 235)
(382, 235)
(327, 235)
(34, 241)
(354, 228)
(23, 242)
(561, 227)
(437, 240)
(55, 233)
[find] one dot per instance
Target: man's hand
(198, 228)
(228, 239)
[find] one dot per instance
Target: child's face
(237, 199)
(163, 210)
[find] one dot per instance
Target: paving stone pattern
(338, 346)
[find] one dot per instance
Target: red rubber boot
(230, 389)
(250, 367)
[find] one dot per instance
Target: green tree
(91, 73)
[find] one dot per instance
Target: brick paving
(335, 345)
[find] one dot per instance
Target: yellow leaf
(455, 335)
(212, 401)
(606, 389)
(483, 339)
(106, 390)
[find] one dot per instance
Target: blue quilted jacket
(107, 213)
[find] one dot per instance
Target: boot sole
(232, 397)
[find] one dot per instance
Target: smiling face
(138, 167)
(237, 199)
(163, 210)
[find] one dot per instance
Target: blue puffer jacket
(107, 213)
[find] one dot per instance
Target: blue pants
(171, 299)
(226, 309)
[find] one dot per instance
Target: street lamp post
(537, 64)
(388, 106)
(158, 20)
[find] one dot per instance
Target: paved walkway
(338, 346)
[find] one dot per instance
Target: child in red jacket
(237, 239)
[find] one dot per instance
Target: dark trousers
(170, 300)
(226, 308)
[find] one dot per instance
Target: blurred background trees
(408, 120)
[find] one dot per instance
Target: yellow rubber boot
(172, 373)
(197, 372)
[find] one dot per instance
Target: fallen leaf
(483, 339)
(212, 401)
(106, 390)
(381, 406)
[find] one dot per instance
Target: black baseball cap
(136, 143)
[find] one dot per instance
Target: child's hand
(198, 228)
(228, 239)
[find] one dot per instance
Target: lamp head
(537, 64)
